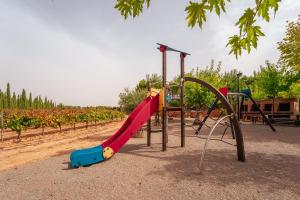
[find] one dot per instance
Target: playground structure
(154, 102)
(246, 94)
(241, 96)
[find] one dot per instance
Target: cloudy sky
(82, 52)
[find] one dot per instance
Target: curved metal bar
(237, 129)
(208, 138)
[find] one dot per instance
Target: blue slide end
(85, 157)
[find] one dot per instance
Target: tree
(14, 100)
(46, 103)
(23, 99)
(1, 100)
(268, 80)
(229, 79)
(155, 81)
(30, 100)
(8, 96)
(289, 80)
(196, 12)
(129, 99)
(198, 97)
(8, 101)
(290, 46)
(40, 102)
(295, 90)
(18, 124)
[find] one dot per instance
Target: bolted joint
(162, 48)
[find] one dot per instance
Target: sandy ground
(272, 170)
(35, 147)
(9, 135)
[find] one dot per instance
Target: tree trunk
(43, 130)
(2, 133)
(2, 128)
(197, 120)
(59, 128)
(19, 136)
(86, 125)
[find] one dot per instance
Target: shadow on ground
(274, 171)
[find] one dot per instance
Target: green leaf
(196, 13)
(246, 20)
(218, 5)
(236, 44)
(264, 6)
(131, 7)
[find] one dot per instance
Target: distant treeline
(12, 100)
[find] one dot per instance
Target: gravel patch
(271, 170)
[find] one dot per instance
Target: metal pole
(242, 107)
(232, 128)
(262, 114)
(149, 120)
(163, 49)
(211, 108)
(182, 56)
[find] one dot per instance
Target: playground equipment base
(86, 157)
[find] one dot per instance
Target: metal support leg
(211, 108)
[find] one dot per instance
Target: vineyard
(20, 120)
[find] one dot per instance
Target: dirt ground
(35, 146)
(271, 171)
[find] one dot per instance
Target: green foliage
(290, 80)
(249, 34)
(295, 89)
(174, 103)
(174, 85)
(21, 101)
(268, 80)
(198, 97)
(18, 124)
(196, 13)
(263, 7)
(131, 7)
(290, 46)
(229, 79)
(8, 96)
(19, 120)
(129, 99)
(155, 82)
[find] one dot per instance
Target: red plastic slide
(133, 123)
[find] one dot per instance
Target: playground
(142, 99)
(140, 172)
(173, 157)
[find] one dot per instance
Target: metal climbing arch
(230, 113)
